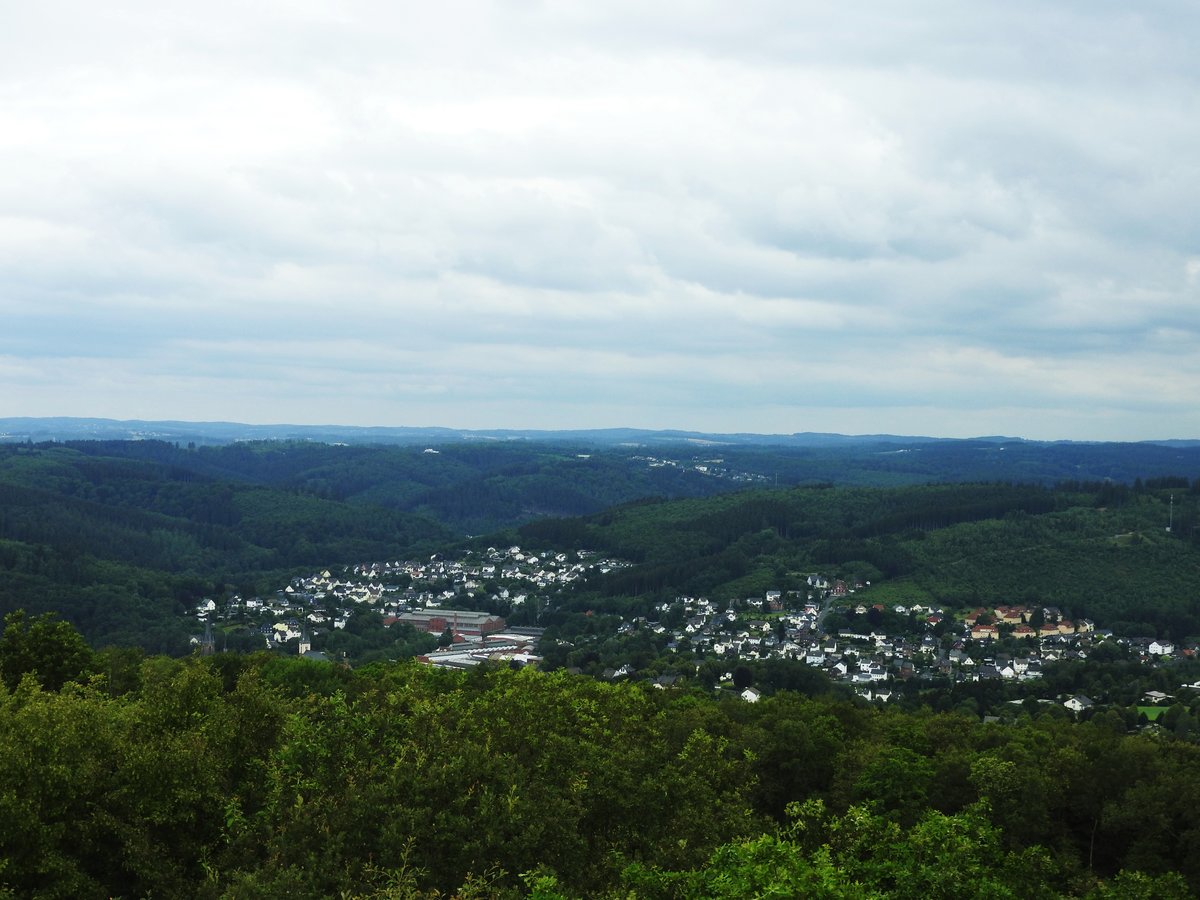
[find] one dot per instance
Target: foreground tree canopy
(260, 776)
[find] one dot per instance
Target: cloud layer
(943, 219)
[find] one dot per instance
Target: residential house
(1161, 648)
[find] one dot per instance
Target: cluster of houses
(418, 592)
(713, 468)
(924, 641)
(437, 579)
(986, 624)
(932, 643)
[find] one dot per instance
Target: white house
(1078, 703)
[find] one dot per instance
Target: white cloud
(778, 218)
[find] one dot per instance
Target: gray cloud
(935, 219)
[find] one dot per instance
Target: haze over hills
(72, 428)
(65, 428)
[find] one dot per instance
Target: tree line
(256, 775)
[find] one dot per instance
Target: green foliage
(859, 855)
(253, 776)
(103, 796)
(50, 650)
(1140, 886)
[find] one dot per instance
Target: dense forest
(124, 547)
(467, 487)
(262, 776)
(800, 458)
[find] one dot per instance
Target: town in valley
(488, 606)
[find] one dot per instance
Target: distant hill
(67, 428)
(805, 457)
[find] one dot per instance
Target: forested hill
(1100, 551)
(477, 487)
(480, 479)
(123, 547)
(123, 536)
(468, 487)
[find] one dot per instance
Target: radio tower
(1171, 514)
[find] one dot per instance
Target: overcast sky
(921, 218)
